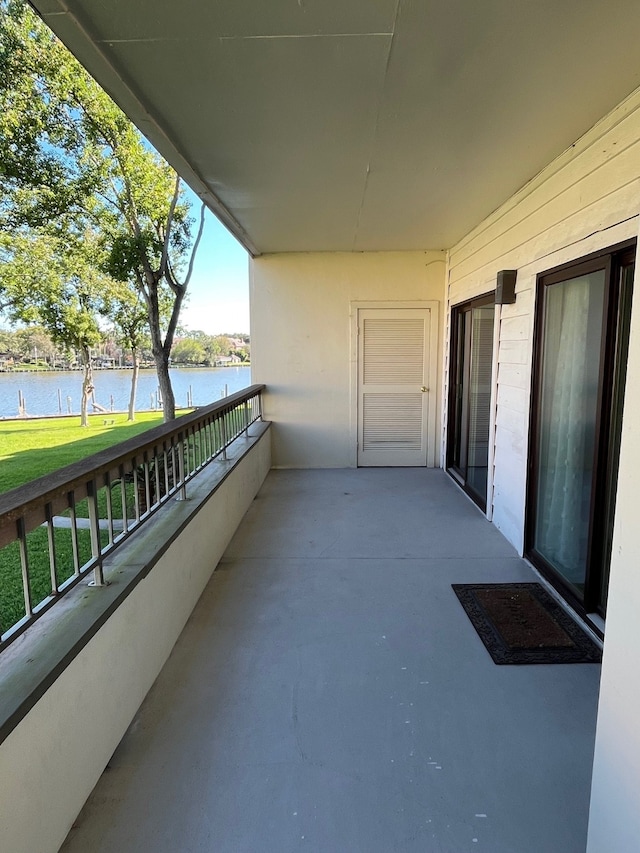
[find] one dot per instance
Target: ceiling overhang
(355, 125)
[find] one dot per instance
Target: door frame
(481, 300)
(434, 348)
(608, 258)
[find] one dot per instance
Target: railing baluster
(136, 491)
(223, 433)
(195, 444)
(165, 461)
(74, 534)
(48, 514)
(156, 476)
(110, 528)
(94, 529)
(193, 466)
(24, 565)
(123, 500)
(210, 444)
(147, 485)
(174, 468)
(196, 449)
(182, 450)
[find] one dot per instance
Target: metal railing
(58, 529)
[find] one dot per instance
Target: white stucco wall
(51, 761)
(586, 200)
(301, 345)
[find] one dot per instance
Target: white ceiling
(356, 124)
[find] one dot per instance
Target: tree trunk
(166, 390)
(87, 384)
(161, 357)
(134, 383)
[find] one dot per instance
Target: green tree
(52, 281)
(188, 351)
(43, 173)
(128, 313)
(34, 342)
(82, 160)
(7, 341)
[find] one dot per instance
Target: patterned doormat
(521, 623)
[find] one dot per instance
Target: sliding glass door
(470, 396)
(581, 352)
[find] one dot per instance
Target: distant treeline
(32, 345)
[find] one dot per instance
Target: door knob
(424, 388)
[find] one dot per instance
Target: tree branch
(173, 322)
(195, 248)
(167, 233)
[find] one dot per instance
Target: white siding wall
(587, 199)
(302, 346)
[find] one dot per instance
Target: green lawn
(29, 449)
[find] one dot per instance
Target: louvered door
(393, 398)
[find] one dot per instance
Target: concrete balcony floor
(330, 694)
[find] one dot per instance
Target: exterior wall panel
(584, 201)
(302, 344)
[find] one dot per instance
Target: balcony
(328, 692)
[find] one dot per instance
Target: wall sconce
(506, 287)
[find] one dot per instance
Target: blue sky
(218, 293)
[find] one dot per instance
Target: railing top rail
(19, 501)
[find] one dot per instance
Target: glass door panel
(572, 339)
(582, 337)
(460, 391)
(470, 397)
(480, 367)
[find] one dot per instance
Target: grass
(29, 449)
(33, 447)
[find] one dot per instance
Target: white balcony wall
(51, 761)
(302, 347)
(586, 200)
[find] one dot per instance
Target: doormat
(521, 623)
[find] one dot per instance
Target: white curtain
(571, 357)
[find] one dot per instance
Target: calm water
(40, 390)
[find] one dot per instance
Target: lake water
(40, 390)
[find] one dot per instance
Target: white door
(393, 392)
